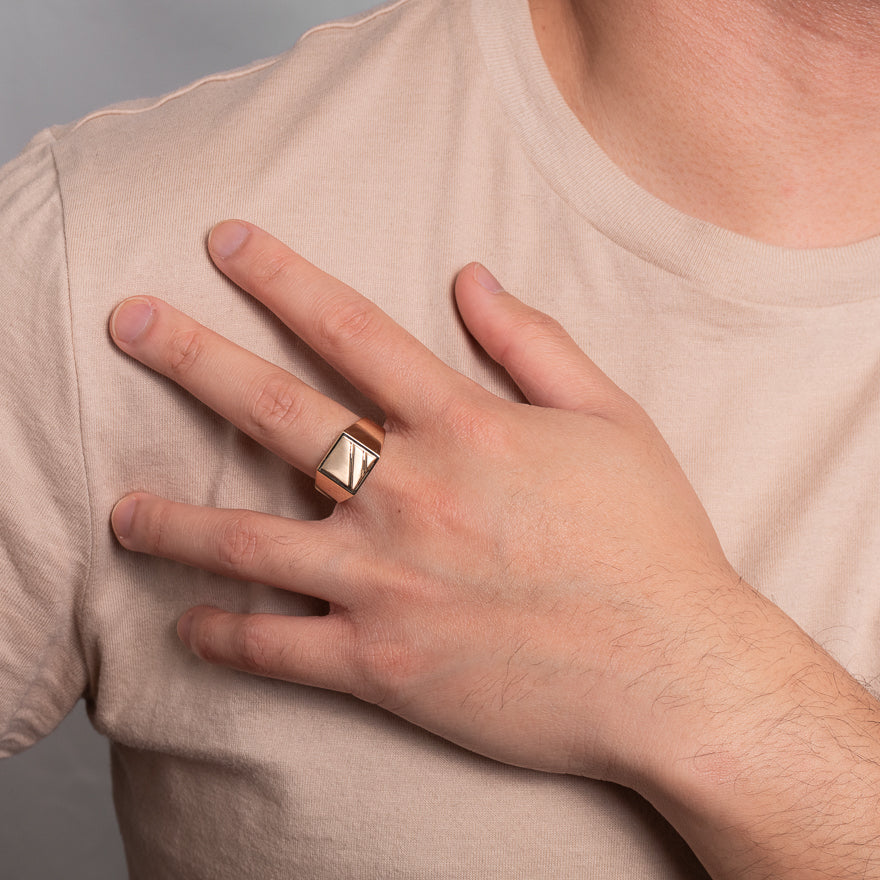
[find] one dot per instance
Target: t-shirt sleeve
(45, 530)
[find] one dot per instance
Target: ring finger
(278, 410)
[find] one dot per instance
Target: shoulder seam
(354, 21)
(214, 77)
(256, 67)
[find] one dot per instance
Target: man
(586, 620)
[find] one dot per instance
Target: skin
(602, 632)
(757, 115)
(587, 625)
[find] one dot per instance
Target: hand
(536, 582)
(502, 564)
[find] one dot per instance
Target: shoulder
(338, 63)
(334, 145)
(321, 131)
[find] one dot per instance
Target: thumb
(543, 360)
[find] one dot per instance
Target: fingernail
(184, 625)
(486, 279)
(131, 319)
(227, 237)
(122, 516)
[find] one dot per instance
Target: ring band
(344, 468)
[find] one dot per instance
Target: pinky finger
(305, 650)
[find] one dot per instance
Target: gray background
(60, 59)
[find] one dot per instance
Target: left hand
(529, 581)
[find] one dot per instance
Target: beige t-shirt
(390, 149)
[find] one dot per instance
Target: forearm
(780, 776)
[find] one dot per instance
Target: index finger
(352, 334)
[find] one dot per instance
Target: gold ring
(344, 468)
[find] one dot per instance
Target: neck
(761, 116)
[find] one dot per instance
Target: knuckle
(535, 327)
(238, 544)
(156, 527)
(276, 407)
(271, 268)
(441, 510)
(204, 640)
(252, 646)
(384, 669)
(543, 324)
(184, 350)
(342, 320)
(475, 426)
(610, 402)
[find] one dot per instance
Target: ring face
(349, 462)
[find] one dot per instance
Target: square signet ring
(347, 465)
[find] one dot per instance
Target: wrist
(773, 768)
